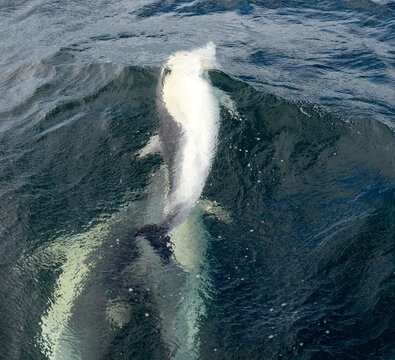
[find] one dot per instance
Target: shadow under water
(304, 269)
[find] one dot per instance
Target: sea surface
(298, 258)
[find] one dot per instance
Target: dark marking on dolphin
(158, 237)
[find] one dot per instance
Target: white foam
(190, 100)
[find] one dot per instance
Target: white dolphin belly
(191, 102)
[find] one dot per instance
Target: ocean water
(290, 253)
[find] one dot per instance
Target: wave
(307, 258)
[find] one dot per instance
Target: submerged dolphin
(188, 109)
(189, 121)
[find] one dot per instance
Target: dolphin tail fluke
(159, 239)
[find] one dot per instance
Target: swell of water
(335, 54)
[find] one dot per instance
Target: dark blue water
(304, 265)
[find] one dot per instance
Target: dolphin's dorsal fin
(153, 147)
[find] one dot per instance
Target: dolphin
(188, 111)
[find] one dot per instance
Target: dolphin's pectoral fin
(159, 239)
(212, 207)
(153, 147)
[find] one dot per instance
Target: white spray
(190, 100)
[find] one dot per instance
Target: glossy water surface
(300, 263)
